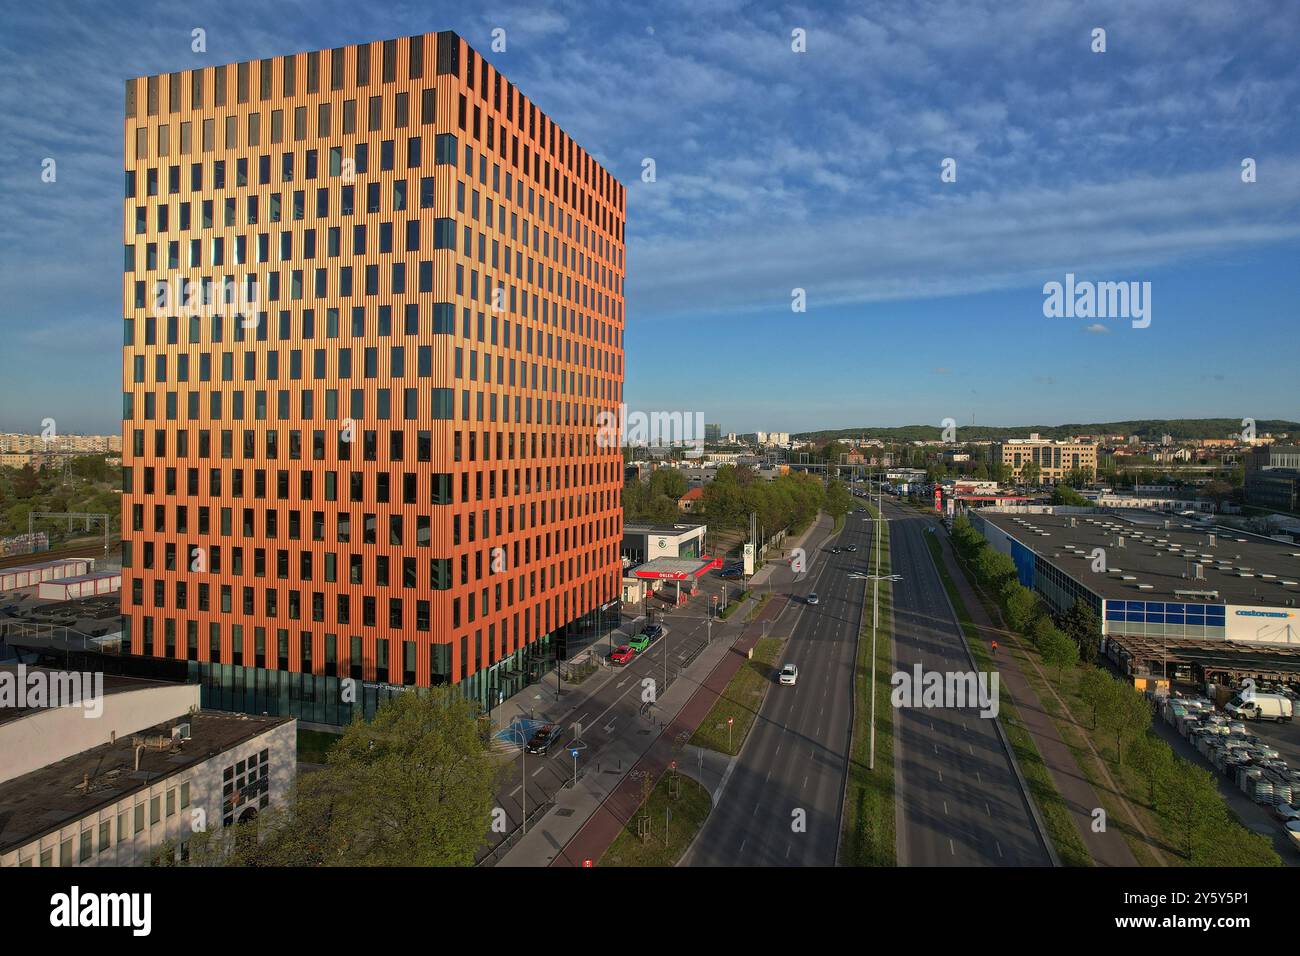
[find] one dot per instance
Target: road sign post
(730, 721)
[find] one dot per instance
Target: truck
(1273, 707)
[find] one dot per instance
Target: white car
(812, 599)
(789, 675)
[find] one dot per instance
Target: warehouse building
(1156, 578)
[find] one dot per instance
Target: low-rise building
(136, 782)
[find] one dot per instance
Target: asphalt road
(608, 705)
(958, 802)
(796, 754)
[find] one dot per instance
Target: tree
(1019, 603)
(1059, 652)
(412, 787)
(1189, 799)
(1081, 624)
(1093, 686)
(993, 568)
(1063, 494)
(1153, 759)
(1123, 712)
(1030, 472)
(839, 501)
(668, 481)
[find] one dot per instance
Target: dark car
(546, 737)
(652, 631)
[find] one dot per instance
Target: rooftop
(1158, 556)
(113, 684)
(46, 799)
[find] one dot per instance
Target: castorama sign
(1263, 625)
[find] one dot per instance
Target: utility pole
(875, 621)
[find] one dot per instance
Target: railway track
(93, 550)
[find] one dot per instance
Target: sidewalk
(1108, 848)
(587, 818)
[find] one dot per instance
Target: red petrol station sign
(938, 498)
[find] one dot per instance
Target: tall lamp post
(875, 620)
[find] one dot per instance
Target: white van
(1261, 707)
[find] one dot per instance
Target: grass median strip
(740, 701)
(1056, 815)
(867, 834)
(663, 826)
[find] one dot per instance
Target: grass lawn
(313, 745)
(867, 837)
(737, 599)
(1056, 815)
(740, 700)
(688, 810)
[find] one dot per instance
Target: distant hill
(1150, 429)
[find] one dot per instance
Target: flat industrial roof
(113, 684)
(1155, 561)
(45, 800)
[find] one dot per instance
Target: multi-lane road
(782, 802)
(958, 799)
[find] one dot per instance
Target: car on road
(621, 655)
(812, 599)
(731, 574)
(835, 550)
(789, 674)
(851, 548)
(652, 631)
(639, 642)
(547, 736)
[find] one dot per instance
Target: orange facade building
(373, 303)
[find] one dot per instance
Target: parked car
(621, 655)
(639, 642)
(547, 736)
(652, 631)
(789, 674)
(812, 599)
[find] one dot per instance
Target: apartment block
(1055, 459)
(373, 304)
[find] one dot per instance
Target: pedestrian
(995, 647)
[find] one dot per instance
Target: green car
(639, 643)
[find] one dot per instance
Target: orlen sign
(938, 498)
(1263, 625)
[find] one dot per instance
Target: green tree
(1189, 800)
(668, 481)
(1094, 684)
(1030, 472)
(1153, 759)
(1081, 624)
(412, 787)
(1019, 603)
(1124, 713)
(1059, 652)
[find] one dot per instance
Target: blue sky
(778, 170)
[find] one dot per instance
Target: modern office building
(1055, 459)
(373, 302)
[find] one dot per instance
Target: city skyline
(1057, 173)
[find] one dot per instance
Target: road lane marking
(538, 770)
(986, 808)
(999, 846)
(516, 790)
(945, 808)
(951, 849)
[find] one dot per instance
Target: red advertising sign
(938, 498)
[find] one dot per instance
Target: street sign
(730, 720)
(573, 754)
(672, 765)
(588, 863)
